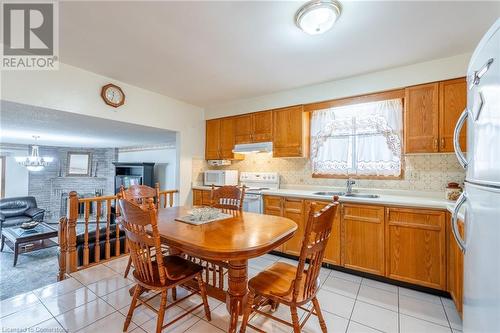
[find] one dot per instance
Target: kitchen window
(357, 140)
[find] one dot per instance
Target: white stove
(255, 183)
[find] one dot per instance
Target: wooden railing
(99, 214)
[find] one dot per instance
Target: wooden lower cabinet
(197, 197)
(405, 244)
(294, 210)
(363, 238)
(273, 206)
(455, 266)
(201, 197)
(416, 246)
(332, 251)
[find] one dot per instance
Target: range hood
(248, 148)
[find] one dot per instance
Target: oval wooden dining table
(233, 240)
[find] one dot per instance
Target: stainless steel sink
(330, 194)
(361, 195)
(343, 194)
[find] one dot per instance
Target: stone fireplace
(51, 186)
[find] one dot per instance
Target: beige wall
(75, 90)
(426, 172)
(429, 71)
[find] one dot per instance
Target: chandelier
(34, 162)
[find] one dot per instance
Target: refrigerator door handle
(454, 222)
(456, 139)
(476, 79)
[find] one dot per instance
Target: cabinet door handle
(436, 144)
(442, 143)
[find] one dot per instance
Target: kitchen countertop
(406, 198)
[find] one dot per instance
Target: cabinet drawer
(272, 205)
(294, 205)
(364, 213)
(418, 218)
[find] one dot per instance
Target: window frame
(359, 99)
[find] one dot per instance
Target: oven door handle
(251, 197)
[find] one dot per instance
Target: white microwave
(220, 177)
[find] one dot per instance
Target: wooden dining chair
(139, 194)
(227, 197)
(294, 286)
(157, 274)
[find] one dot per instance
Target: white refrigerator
(481, 197)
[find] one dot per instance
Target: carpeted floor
(33, 270)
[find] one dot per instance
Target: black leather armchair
(15, 211)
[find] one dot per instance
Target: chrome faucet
(349, 184)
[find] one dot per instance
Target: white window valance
(361, 139)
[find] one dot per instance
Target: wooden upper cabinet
(212, 139)
(253, 127)
(243, 128)
(226, 138)
(416, 246)
(219, 139)
(431, 113)
(290, 132)
(332, 251)
(452, 101)
(262, 126)
(421, 118)
(363, 238)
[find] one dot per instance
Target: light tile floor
(97, 300)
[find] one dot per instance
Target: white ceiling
(19, 122)
(207, 53)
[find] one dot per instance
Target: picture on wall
(79, 164)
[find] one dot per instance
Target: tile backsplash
(426, 172)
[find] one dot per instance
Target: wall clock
(113, 95)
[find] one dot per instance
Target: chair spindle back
(141, 229)
(227, 197)
(316, 235)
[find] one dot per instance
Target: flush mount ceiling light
(318, 16)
